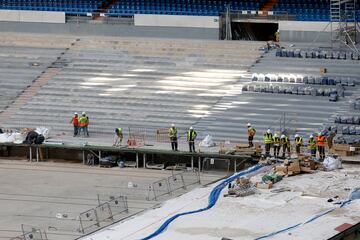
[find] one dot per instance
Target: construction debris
(241, 188)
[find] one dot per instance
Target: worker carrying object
(75, 121)
(118, 137)
(312, 146)
(268, 139)
(83, 124)
(321, 141)
(173, 137)
(298, 143)
(276, 145)
(191, 136)
(251, 134)
(285, 143)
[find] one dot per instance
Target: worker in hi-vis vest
(321, 141)
(285, 143)
(191, 136)
(268, 139)
(298, 143)
(173, 137)
(118, 137)
(312, 146)
(276, 145)
(251, 134)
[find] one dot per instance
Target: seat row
(297, 53)
(292, 78)
(295, 90)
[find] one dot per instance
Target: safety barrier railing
(31, 233)
(169, 185)
(103, 214)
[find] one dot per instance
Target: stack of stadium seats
(180, 7)
(68, 6)
(291, 78)
(297, 53)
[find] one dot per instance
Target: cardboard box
(294, 167)
(341, 147)
(264, 185)
(283, 169)
(243, 181)
(306, 170)
(281, 174)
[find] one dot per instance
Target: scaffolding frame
(343, 24)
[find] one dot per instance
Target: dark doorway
(254, 31)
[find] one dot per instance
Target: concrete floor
(35, 193)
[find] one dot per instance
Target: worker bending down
(268, 138)
(118, 137)
(285, 143)
(173, 137)
(191, 136)
(298, 143)
(251, 134)
(276, 145)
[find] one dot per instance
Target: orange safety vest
(321, 141)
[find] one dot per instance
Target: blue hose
(213, 197)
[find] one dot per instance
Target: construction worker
(173, 137)
(86, 124)
(285, 142)
(276, 145)
(251, 134)
(191, 136)
(118, 137)
(312, 146)
(83, 123)
(298, 143)
(277, 36)
(320, 142)
(268, 139)
(75, 121)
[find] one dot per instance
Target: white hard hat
(249, 124)
(283, 136)
(173, 124)
(75, 113)
(275, 135)
(191, 128)
(268, 131)
(319, 134)
(83, 113)
(311, 136)
(296, 135)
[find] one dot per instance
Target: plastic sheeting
(332, 163)
(18, 138)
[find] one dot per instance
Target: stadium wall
(121, 30)
(176, 21)
(299, 31)
(32, 16)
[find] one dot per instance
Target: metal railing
(103, 214)
(31, 233)
(169, 185)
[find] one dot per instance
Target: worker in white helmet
(84, 124)
(276, 145)
(268, 140)
(191, 136)
(75, 122)
(173, 137)
(298, 143)
(251, 134)
(285, 143)
(312, 145)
